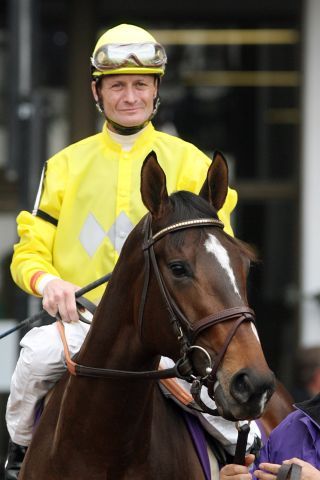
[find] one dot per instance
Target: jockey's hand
(59, 297)
(237, 472)
(268, 471)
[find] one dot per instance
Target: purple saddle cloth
(199, 441)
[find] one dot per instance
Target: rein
(84, 371)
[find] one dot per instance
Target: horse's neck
(114, 342)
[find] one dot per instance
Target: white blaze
(263, 401)
(255, 331)
(213, 246)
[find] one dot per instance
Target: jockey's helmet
(127, 49)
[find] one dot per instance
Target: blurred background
(242, 77)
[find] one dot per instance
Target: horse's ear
(215, 187)
(153, 186)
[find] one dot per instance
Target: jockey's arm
(33, 271)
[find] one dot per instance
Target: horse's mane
(187, 205)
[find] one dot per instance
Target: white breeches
(40, 365)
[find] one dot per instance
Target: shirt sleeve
(33, 255)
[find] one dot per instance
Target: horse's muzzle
(247, 397)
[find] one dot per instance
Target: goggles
(113, 56)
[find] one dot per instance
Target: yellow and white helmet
(127, 49)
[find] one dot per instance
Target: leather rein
(185, 332)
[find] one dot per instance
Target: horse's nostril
(241, 387)
(248, 386)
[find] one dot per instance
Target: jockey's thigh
(40, 365)
(42, 350)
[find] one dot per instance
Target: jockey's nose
(130, 95)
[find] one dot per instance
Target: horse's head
(200, 274)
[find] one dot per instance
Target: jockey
(87, 203)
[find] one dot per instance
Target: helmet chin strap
(122, 129)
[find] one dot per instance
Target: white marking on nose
(263, 401)
(213, 246)
(255, 331)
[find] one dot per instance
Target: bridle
(185, 332)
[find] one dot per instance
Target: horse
(178, 290)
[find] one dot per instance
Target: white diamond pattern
(119, 231)
(92, 233)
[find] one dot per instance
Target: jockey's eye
(179, 269)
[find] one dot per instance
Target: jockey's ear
(153, 186)
(215, 187)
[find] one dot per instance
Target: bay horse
(178, 290)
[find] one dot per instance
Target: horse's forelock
(187, 206)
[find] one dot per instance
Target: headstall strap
(148, 252)
(147, 233)
(198, 222)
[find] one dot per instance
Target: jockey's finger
(53, 311)
(249, 459)
(234, 472)
(268, 471)
(234, 469)
(59, 297)
(270, 467)
(264, 475)
(68, 308)
(50, 305)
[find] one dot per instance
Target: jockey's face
(127, 99)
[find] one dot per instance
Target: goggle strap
(130, 55)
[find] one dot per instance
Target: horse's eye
(178, 269)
